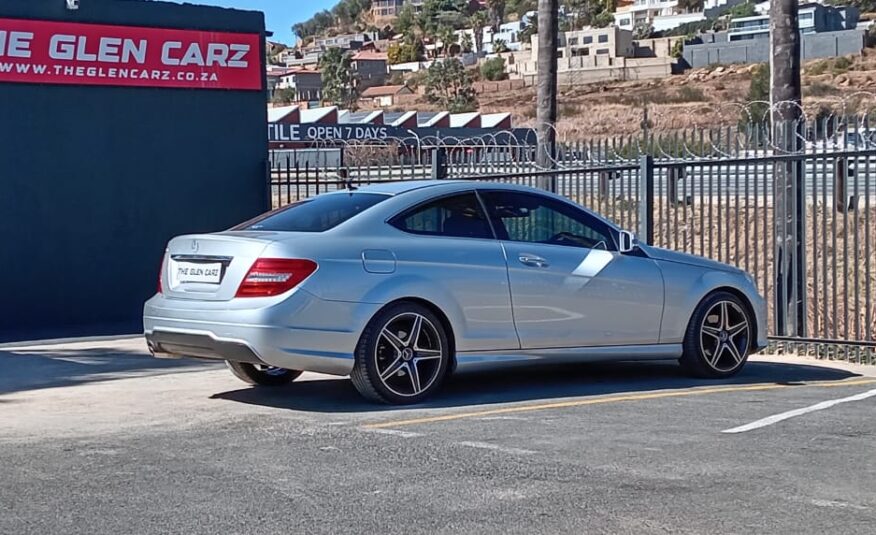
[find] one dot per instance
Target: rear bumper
(298, 331)
(169, 344)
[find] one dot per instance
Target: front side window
(603, 38)
(525, 217)
(314, 215)
(458, 216)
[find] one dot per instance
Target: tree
(477, 22)
(497, 13)
(526, 34)
(691, 6)
(437, 13)
(404, 52)
(789, 198)
(643, 30)
(286, 95)
(546, 111)
(448, 38)
(603, 19)
(521, 7)
(493, 69)
(500, 46)
(449, 85)
(338, 80)
(466, 43)
(406, 22)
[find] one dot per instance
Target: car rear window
(314, 215)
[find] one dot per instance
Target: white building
(664, 14)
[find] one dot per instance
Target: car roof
(403, 186)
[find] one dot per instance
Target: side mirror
(627, 242)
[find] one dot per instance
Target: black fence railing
(710, 194)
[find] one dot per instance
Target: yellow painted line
(613, 399)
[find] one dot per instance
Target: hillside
(701, 97)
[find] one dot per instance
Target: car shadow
(528, 384)
(47, 367)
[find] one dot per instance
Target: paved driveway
(100, 438)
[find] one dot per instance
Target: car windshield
(314, 215)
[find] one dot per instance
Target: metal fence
(707, 192)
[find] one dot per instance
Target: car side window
(459, 216)
(526, 217)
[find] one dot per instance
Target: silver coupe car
(400, 284)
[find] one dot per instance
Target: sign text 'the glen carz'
(46, 52)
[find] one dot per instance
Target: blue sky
(280, 15)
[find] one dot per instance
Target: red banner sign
(44, 52)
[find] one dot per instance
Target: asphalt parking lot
(98, 437)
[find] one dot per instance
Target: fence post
(646, 199)
(439, 163)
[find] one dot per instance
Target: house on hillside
(371, 68)
(385, 11)
(383, 96)
(665, 15)
(307, 84)
(826, 31)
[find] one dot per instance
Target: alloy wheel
(725, 336)
(408, 354)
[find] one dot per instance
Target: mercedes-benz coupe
(400, 284)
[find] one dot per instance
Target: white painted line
(494, 447)
(770, 420)
(395, 432)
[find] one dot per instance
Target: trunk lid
(210, 267)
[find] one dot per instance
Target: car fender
(410, 286)
(686, 287)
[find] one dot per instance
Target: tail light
(273, 276)
(161, 273)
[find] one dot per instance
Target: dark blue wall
(95, 180)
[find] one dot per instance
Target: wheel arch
(442, 317)
(746, 302)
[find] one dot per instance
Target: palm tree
(448, 38)
(477, 22)
(497, 13)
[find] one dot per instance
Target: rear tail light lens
(161, 273)
(273, 276)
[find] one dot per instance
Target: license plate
(183, 272)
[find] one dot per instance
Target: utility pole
(789, 206)
(546, 113)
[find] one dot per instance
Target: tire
(396, 363)
(717, 342)
(262, 375)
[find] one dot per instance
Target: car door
(458, 259)
(569, 285)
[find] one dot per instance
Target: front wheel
(262, 375)
(718, 338)
(403, 355)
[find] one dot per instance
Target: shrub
(819, 89)
(493, 69)
(691, 94)
(841, 65)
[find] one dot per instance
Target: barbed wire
(831, 127)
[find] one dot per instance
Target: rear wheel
(403, 355)
(263, 375)
(718, 338)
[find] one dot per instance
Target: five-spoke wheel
(718, 338)
(403, 355)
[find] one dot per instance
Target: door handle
(533, 261)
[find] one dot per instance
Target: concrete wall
(620, 69)
(719, 51)
(83, 225)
